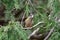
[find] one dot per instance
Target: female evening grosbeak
(29, 21)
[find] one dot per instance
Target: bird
(29, 21)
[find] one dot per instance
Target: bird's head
(31, 16)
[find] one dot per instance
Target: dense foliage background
(12, 12)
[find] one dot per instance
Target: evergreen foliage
(43, 10)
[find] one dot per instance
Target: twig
(33, 33)
(29, 28)
(49, 34)
(34, 25)
(38, 24)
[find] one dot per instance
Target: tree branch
(49, 34)
(34, 25)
